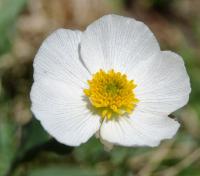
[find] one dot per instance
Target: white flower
(132, 87)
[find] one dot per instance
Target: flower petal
(58, 58)
(141, 129)
(63, 111)
(162, 87)
(116, 42)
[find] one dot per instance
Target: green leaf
(91, 152)
(8, 144)
(62, 171)
(190, 171)
(33, 134)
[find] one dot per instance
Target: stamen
(111, 93)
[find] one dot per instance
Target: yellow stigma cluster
(111, 93)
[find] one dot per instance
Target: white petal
(116, 42)
(63, 111)
(141, 129)
(58, 58)
(163, 84)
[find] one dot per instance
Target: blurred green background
(26, 149)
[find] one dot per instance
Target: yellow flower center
(111, 93)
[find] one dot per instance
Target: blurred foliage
(27, 150)
(9, 9)
(63, 171)
(7, 144)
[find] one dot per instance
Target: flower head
(111, 79)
